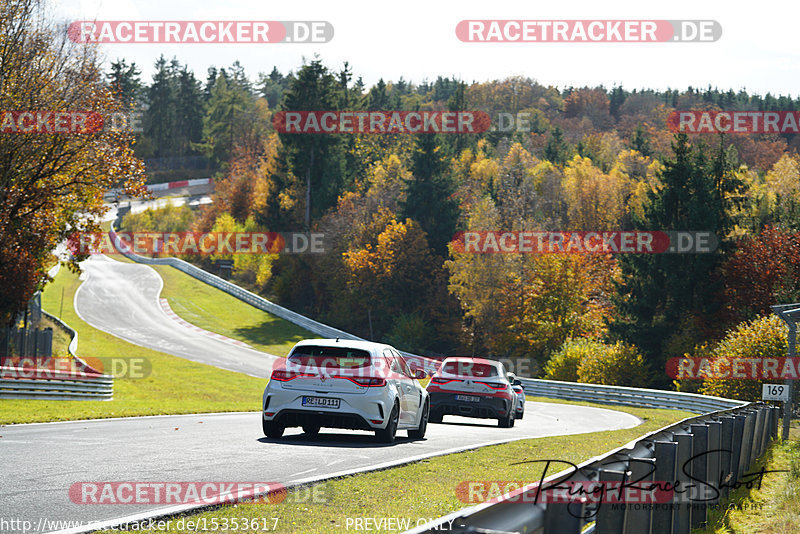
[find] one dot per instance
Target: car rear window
(467, 368)
(330, 357)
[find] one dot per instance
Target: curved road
(42, 461)
(122, 299)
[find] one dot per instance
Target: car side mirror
(419, 374)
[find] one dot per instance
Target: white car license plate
(468, 398)
(320, 402)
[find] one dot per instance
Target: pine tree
(316, 159)
(159, 119)
(124, 81)
(190, 112)
(661, 294)
(557, 150)
(429, 194)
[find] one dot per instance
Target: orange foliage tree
(51, 184)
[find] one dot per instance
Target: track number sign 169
(776, 392)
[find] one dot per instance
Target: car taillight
(492, 385)
(282, 375)
(439, 380)
(370, 382)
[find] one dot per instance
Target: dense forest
(583, 159)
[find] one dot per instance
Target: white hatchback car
(339, 383)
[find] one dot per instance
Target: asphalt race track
(42, 461)
(122, 299)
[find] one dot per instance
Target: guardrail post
(758, 435)
(747, 442)
(739, 422)
(699, 468)
(563, 518)
(639, 515)
(683, 512)
(776, 415)
(611, 519)
(714, 456)
(666, 456)
(726, 455)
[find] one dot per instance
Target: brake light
(439, 380)
(282, 375)
(369, 382)
(497, 387)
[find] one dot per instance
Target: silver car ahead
(338, 383)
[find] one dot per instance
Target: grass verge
(214, 310)
(774, 508)
(424, 489)
(175, 385)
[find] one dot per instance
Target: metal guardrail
(623, 396)
(45, 384)
(698, 453)
(57, 389)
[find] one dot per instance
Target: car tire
(419, 433)
(519, 415)
(271, 429)
(435, 417)
(387, 435)
(508, 421)
(311, 430)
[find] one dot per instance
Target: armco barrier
(165, 186)
(646, 398)
(87, 384)
(701, 450)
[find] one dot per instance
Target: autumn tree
(783, 186)
(595, 200)
(51, 184)
(763, 270)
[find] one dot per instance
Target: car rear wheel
(271, 429)
(508, 421)
(419, 433)
(519, 415)
(435, 417)
(311, 430)
(386, 435)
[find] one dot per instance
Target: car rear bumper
(486, 408)
(351, 421)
